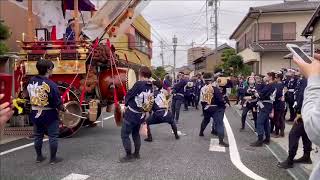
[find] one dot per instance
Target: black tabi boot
(266, 141)
(305, 159)
(149, 138)
(128, 158)
(40, 159)
(136, 155)
(222, 143)
(258, 143)
(175, 131)
(286, 164)
(53, 158)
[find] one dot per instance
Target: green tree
(227, 53)
(159, 73)
(233, 63)
(4, 35)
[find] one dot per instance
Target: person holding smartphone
(311, 109)
(6, 112)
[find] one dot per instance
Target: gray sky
(187, 20)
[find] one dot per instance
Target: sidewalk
(283, 143)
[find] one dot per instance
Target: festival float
(89, 74)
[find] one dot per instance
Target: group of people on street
(267, 97)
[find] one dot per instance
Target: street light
(175, 41)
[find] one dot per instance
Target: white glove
(295, 104)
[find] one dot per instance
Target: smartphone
(299, 53)
(5, 87)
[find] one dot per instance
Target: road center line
(235, 155)
(18, 148)
(74, 176)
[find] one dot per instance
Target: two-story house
(264, 32)
(210, 61)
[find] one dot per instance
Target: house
(313, 29)
(187, 69)
(197, 52)
(135, 43)
(209, 62)
(262, 35)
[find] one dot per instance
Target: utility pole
(161, 54)
(214, 20)
(174, 41)
(216, 23)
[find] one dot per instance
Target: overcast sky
(187, 20)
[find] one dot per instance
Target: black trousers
(131, 126)
(245, 111)
(279, 121)
(188, 101)
(296, 132)
(217, 115)
(197, 99)
(290, 101)
(159, 117)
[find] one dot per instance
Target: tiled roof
(273, 46)
(314, 19)
(287, 6)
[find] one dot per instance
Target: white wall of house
(248, 55)
(301, 19)
(274, 61)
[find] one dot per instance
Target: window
(289, 31)
(277, 31)
(250, 36)
(241, 45)
(142, 43)
(264, 31)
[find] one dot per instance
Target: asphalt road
(94, 152)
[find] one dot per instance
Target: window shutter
(289, 31)
(265, 31)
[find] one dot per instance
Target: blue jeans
(263, 125)
(52, 129)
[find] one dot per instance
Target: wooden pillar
(76, 17)
(30, 28)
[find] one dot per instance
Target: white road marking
(235, 155)
(18, 148)
(31, 144)
(214, 146)
(108, 117)
(74, 176)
